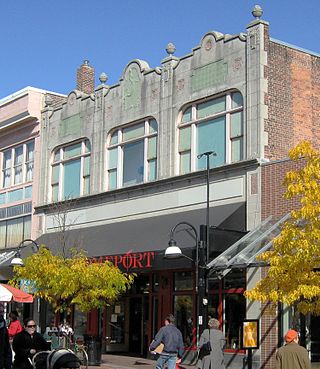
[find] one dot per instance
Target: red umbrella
(9, 293)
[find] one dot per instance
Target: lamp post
(207, 154)
(173, 251)
(202, 252)
(17, 261)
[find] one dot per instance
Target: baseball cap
(291, 335)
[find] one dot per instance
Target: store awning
(146, 234)
(244, 252)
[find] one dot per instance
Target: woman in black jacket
(26, 343)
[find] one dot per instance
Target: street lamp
(173, 251)
(202, 252)
(207, 154)
(17, 261)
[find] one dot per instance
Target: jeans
(169, 360)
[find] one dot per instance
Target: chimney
(85, 78)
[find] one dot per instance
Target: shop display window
(183, 281)
(80, 323)
(235, 279)
(155, 282)
(183, 305)
(141, 285)
(117, 323)
(234, 314)
(227, 304)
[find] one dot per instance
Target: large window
(13, 231)
(211, 125)
(132, 154)
(17, 164)
(70, 176)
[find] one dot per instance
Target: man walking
(292, 355)
(170, 336)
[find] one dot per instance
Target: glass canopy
(244, 252)
(7, 255)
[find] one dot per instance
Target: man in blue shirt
(170, 336)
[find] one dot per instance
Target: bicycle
(80, 351)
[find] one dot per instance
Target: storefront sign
(130, 260)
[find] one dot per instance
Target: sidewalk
(129, 362)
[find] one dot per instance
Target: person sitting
(26, 343)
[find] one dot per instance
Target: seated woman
(26, 343)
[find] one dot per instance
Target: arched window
(132, 154)
(70, 175)
(211, 125)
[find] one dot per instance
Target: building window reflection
(227, 304)
(132, 154)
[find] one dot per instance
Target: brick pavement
(128, 362)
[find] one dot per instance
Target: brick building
(122, 162)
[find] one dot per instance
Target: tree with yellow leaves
(293, 275)
(65, 281)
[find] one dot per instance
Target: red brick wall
(273, 203)
(272, 188)
(293, 99)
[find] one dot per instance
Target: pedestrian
(26, 343)
(215, 360)
(5, 349)
(14, 326)
(171, 338)
(292, 355)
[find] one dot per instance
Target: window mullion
(24, 163)
(2, 171)
(60, 183)
(120, 167)
(81, 173)
(194, 112)
(176, 151)
(12, 174)
(145, 152)
(193, 146)
(228, 139)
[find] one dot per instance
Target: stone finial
(257, 11)
(170, 48)
(103, 78)
(48, 100)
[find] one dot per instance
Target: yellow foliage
(293, 275)
(76, 280)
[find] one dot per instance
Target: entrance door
(315, 338)
(138, 325)
(165, 297)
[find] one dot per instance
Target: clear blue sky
(43, 42)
